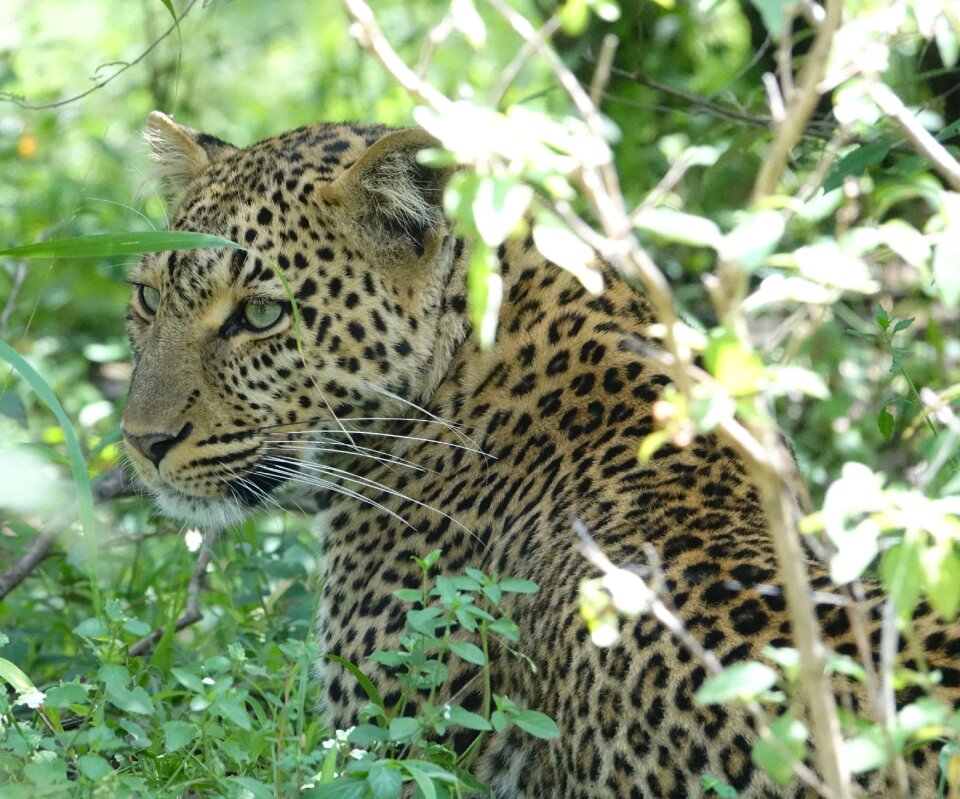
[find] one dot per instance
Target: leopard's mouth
(242, 496)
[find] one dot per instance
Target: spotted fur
(424, 441)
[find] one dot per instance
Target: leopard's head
(235, 385)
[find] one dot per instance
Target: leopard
(334, 346)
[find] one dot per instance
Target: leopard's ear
(180, 153)
(393, 193)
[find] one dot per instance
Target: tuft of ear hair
(395, 193)
(180, 153)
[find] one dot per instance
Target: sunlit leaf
(105, 245)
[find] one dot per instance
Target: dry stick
(923, 142)
(39, 549)
(368, 34)
(799, 106)
(101, 83)
(191, 614)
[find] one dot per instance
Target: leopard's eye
(261, 315)
(149, 298)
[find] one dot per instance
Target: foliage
(389, 747)
(829, 294)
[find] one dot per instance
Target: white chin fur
(203, 513)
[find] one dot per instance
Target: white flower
(328, 744)
(207, 681)
(193, 539)
(356, 754)
(32, 698)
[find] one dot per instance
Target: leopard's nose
(155, 446)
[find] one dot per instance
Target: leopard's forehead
(265, 197)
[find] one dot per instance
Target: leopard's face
(236, 387)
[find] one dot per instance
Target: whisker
(342, 449)
(449, 425)
(352, 478)
(329, 485)
(384, 435)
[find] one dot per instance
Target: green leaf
(14, 676)
(368, 687)
(68, 693)
(535, 723)
(719, 787)
(672, 225)
(515, 585)
(408, 594)
(739, 682)
(867, 751)
(885, 423)
(468, 652)
(233, 708)
(93, 767)
(792, 736)
(856, 162)
(384, 780)
(498, 206)
(114, 676)
(11, 406)
(463, 717)
(753, 239)
(136, 700)
(188, 679)
(484, 293)
(507, 628)
(946, 268)
(365, 734)
(941, 579)
(902, 575)
(772, 15)
(106, 245)
(92, 628)
(177, 734)
(403, 728)
(341, 788)
(557, 243)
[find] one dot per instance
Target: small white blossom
(356, 754)
(32, 699)
(328, 744)
(193, 539)
(208, 681)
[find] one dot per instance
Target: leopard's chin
(201, 512)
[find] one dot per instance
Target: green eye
(149, 298)
(261, 315)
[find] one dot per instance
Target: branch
(916, 134)
(800, 105)
(12, 98)
(39, 549)
(192, 613)
(369, 36)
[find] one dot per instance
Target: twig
(520, 60)
(192, 613)
(800, 105)
(922, 141)
(19, 275)
(368, 34)
(100, 83)
(601, 72)
(39, 549)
